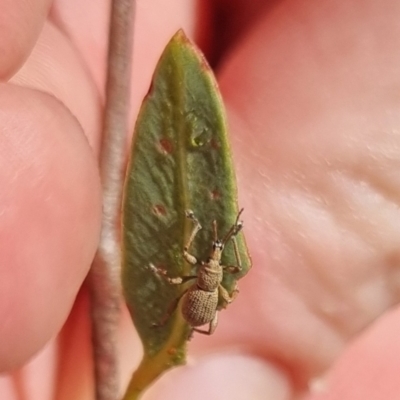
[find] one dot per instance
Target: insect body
(200, 300)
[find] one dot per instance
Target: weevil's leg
(211, 327)
(235, 228)
(226, 296)
(188, 257)
(239, 224)
(173, 281)
(171, 309)
(223, 293)
(188, 278)
(190, 334)
(232, 269)
(237, 254)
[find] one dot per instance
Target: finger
(88, 35)
(56, 68)
(35, 380)
(231, 375)
(368, 368)
(21, 22)
(75, 368)
(315, 131)
(50, 219)
(75, 371)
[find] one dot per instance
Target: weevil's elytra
(200, 300)
(199, 306)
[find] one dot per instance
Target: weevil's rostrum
(200, 300)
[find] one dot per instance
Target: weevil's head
(218, 245)
(217, 248)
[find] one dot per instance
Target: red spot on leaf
(215, 194)
(214, 144)
(172, 351)
(166, 146)
(159, 210)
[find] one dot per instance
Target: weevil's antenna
(235, 228)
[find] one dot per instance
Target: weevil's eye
(218, 245)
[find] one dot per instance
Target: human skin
(311, 91)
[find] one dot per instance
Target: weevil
(200, 300)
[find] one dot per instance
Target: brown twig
(104, 276)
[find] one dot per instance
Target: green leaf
(180, 160)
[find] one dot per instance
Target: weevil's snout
(218, 245)
(217, 248)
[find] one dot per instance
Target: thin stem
(104, 276)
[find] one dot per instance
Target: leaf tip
(180, 36)
(181, 39)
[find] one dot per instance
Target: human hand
(311, 97)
